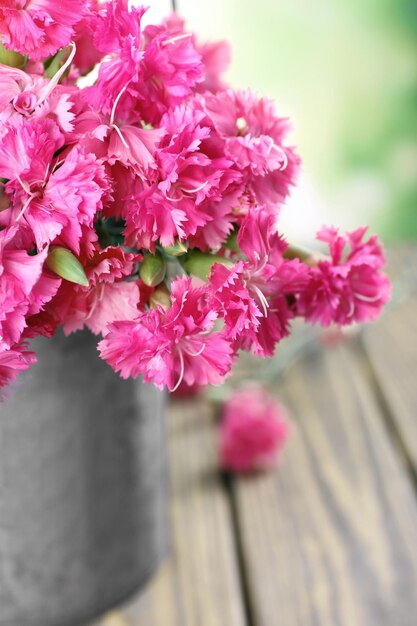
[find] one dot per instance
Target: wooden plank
(391, 347)
(330, 537)
(199, 584)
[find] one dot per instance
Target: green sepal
(200, 263)
(63, 263)
(152, 269)
(178, 249)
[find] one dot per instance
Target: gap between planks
(330, 538)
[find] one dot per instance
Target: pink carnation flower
(231, 295)
(191, 163)
(87, 55)
(157, 151)
(192, 175)
(254, 428)
(254, 139)
(117, 32)
(219, 224)
(150, 72)
(49, 197)
(19, 273)
(254, 322)
(12, 362)
(42, 293)
(25, 95)
(117, 24)
(251, 296)
(134, 147)
(170, 70)
(215, 56)
(116, 141)
(169, 347)
(149, 218)
(39, 27)
(350, 286)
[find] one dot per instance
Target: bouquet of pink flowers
(145, 205)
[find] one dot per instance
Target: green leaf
(63, 263)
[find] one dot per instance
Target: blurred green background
(345, 71)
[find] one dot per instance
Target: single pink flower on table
(12, 362)
(350, 286)
(254, 428)
(39, 28)
(172, 346)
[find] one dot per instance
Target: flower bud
(11, 58)
(63, 263)
(200, 263)
(152, 269)
(178, 249)
(160, 297)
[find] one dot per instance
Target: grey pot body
(83, 519)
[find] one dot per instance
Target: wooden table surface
(329, 538)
